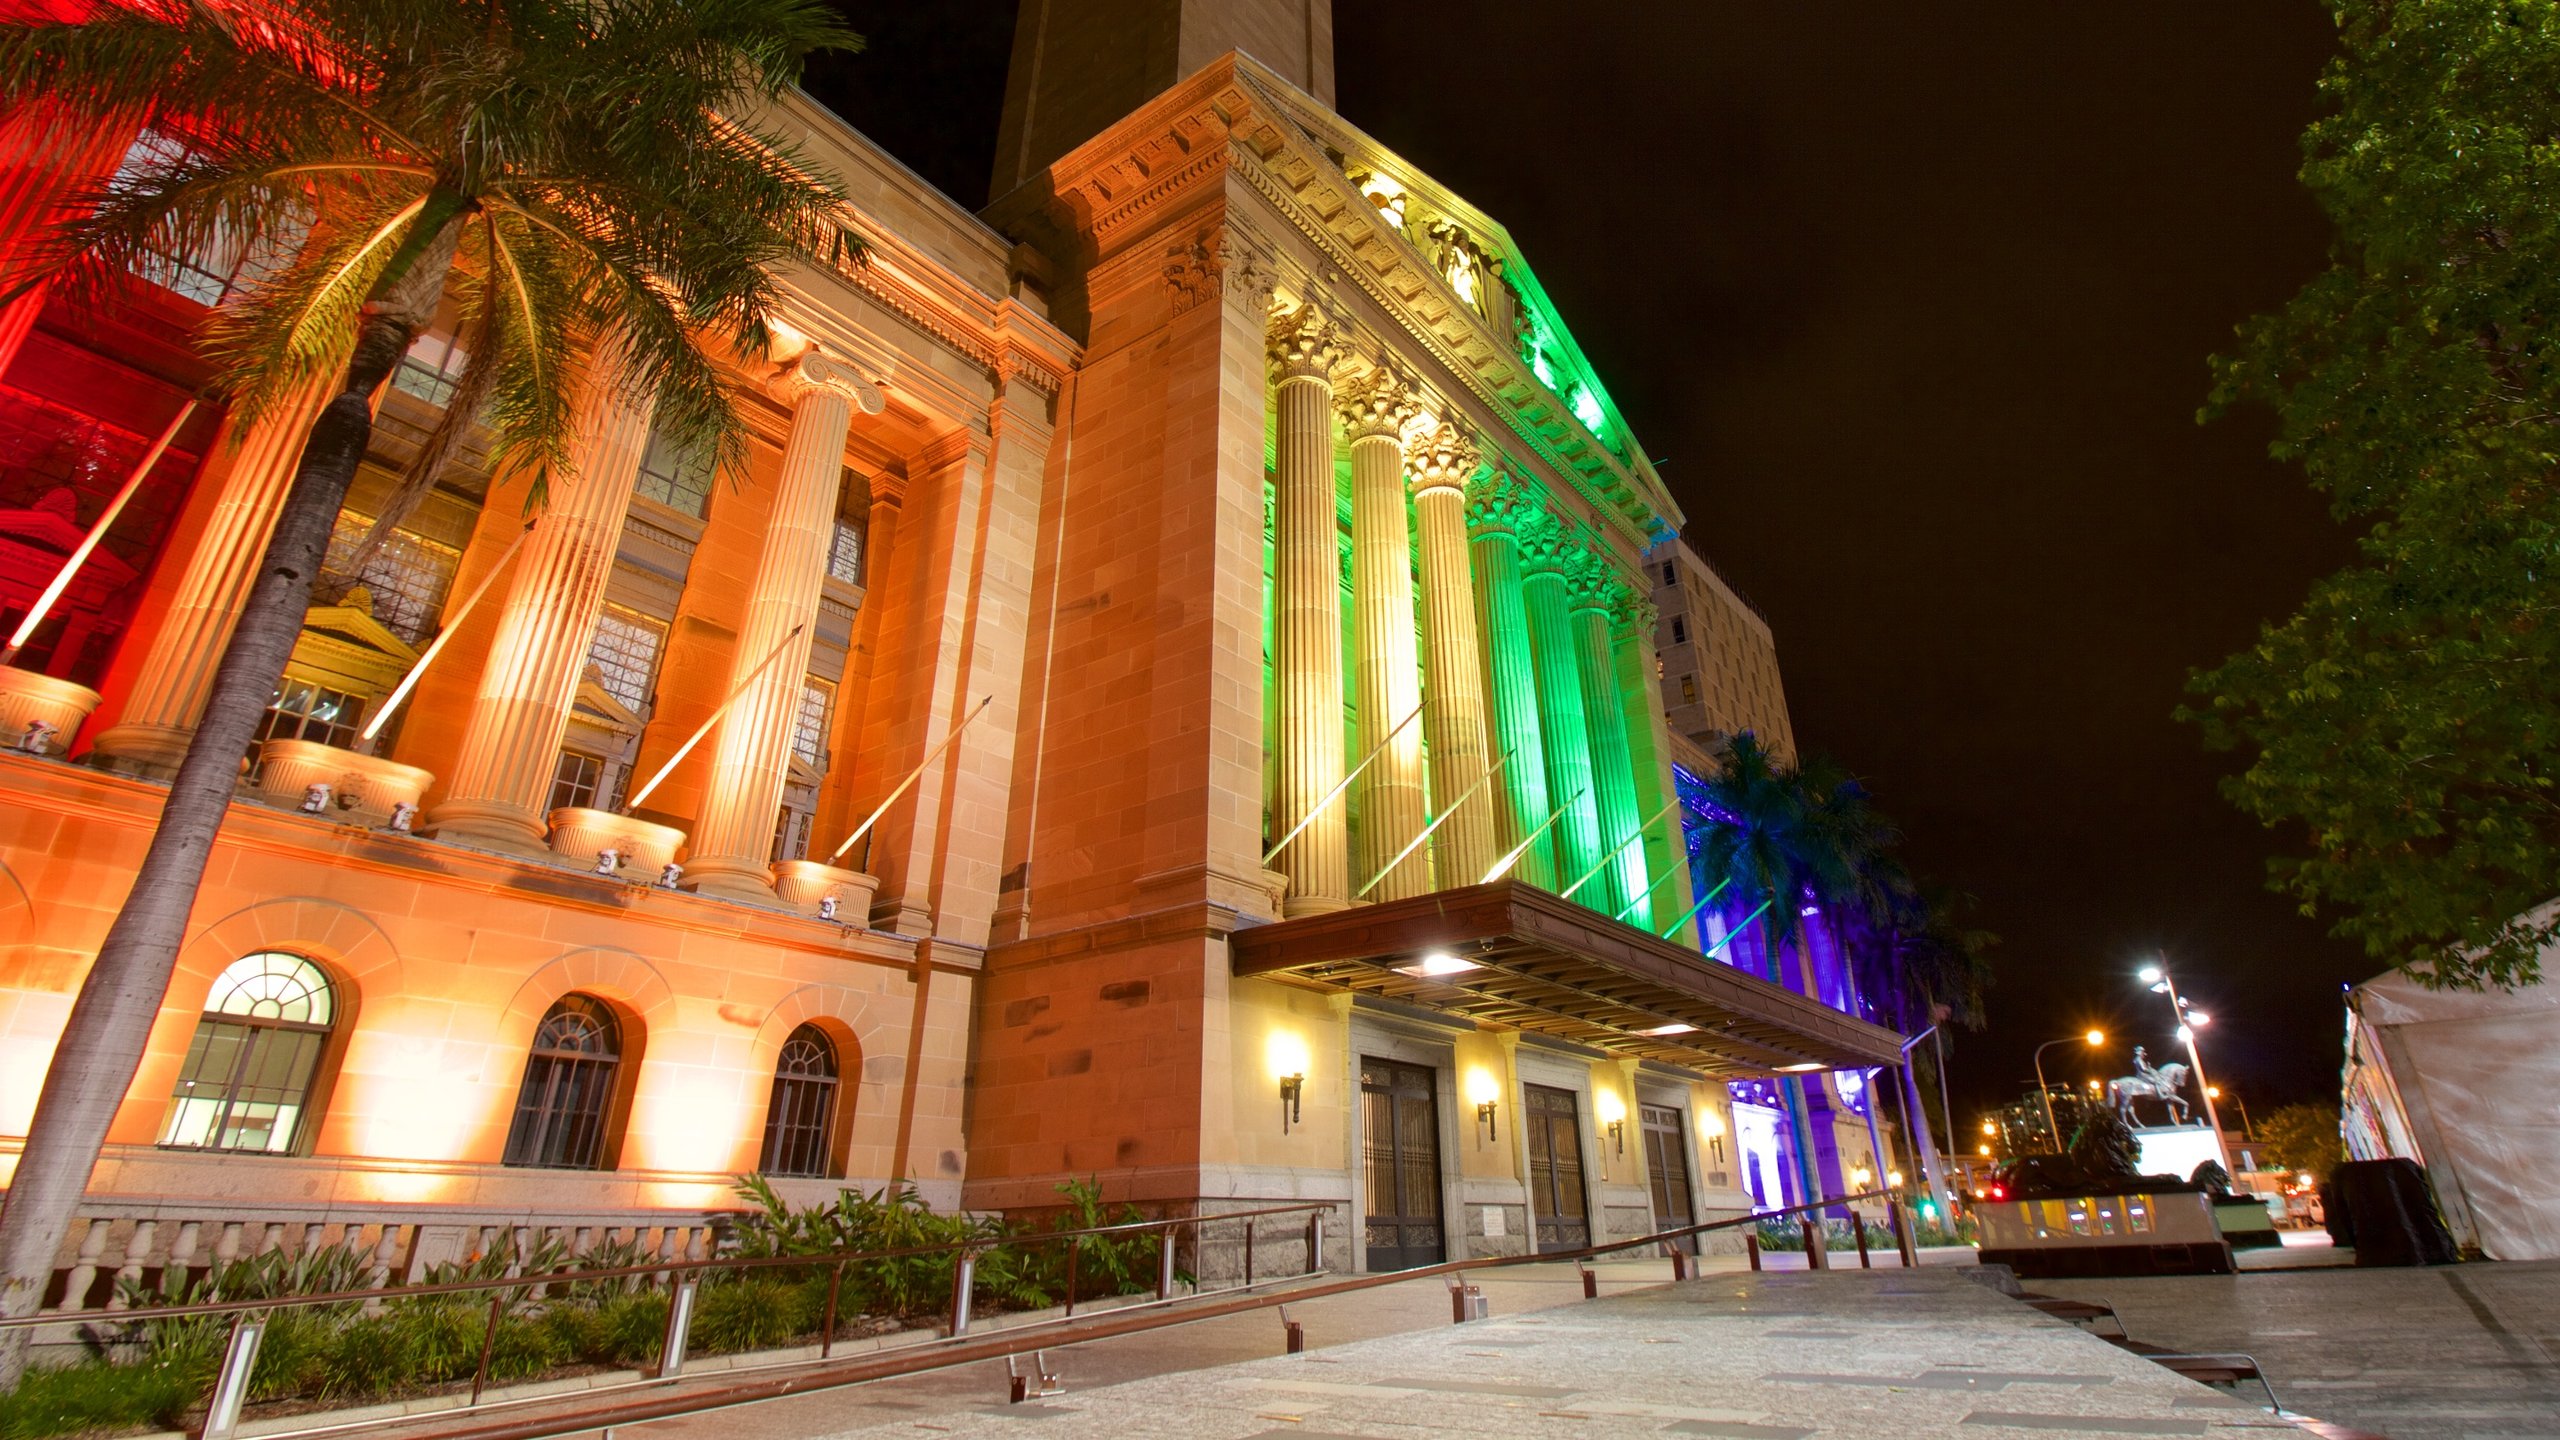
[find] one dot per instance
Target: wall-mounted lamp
(1482, 1089)
(1291, 1086)
(1286, 1053)
(1613, 1116)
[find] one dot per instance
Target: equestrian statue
(2161, 1083)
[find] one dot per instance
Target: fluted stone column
(1494, 503)
(733, 836)
(1392, 807)
(1594, 593)
(1462, 848)
(1544, 552)
(46, 156)
(501, 782)
(159, 715)
(1307, 620)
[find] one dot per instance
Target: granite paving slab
(1901, 1354)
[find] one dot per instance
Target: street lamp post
(2189, 1021)
(2053, 1132)
(2248, 1131)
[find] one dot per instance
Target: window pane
(844, 561)
(625, 653)
(574, 781)
(247, 1077)
(675, 477)
(432, 369)
(568, 1086)
(408, 576)
(809, 726)
(799, 1125)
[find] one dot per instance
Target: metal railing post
(1859, 1227)
(1248, 1252)
(1075, 1254)
(964, 1276)
(1814, 1259)
(1751, 1246)
(231, 1382)
(1164, 1260)
(827, 1336)
(679, 1328)
(1315, 1241)
(488, 1342)
(1590, 1281)
(1902, 1237)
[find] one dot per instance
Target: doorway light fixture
(1291, 1087)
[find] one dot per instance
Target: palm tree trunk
(110, 1024)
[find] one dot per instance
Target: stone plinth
(362, 788)
(581, 834)
(805, 885)
(27, 698)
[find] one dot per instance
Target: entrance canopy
(1519, 956)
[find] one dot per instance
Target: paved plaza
(1775, 1356)
(2459, 1352)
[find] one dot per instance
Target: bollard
(964, 1277)
(1164, 1263)
(1590, 1281)
(231, 1382)
(1860, 1227)
(1466, 1302)
(1679, 1263)
(1751, 1246)
(679, 1329)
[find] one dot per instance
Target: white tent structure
(2466, 1083)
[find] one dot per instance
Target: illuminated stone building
(1093, 544)
(1719, 659)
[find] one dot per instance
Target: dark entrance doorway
(1666, 1163)
(1555, 1168)
(1400, 1152)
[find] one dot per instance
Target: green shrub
(524, 1347)
(577, 1332)
(630, 1329)
(98, 1395)
(754, 1314)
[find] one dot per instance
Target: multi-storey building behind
(1719, 659)
(1211, 585)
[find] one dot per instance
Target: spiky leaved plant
(590, 179)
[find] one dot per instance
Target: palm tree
(577, 173)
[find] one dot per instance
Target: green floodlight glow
(1538, 366)
(1586, 408)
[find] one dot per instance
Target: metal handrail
(660, 1267)
(799, 1377)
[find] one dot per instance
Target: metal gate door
(1400, 1145)
(1555, 1169)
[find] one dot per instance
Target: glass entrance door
(1666, 1162)
(1555, 1168)
(1400, 1150)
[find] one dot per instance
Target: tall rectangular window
(675, 476)
(408, 576)
(809, 726)
(1688, 689)
(1670, 573)
(624, 654)
(1679, 631)
(844, 559)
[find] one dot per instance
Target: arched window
(247, 1079)
(800, 1124)
(568, 1087)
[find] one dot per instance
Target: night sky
(1914, 311)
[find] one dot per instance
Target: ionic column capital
(1379, 405)
(1305, 345)
(1442, 458)
(814, 372)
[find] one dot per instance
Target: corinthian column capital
(814, 372)
(1379, 405)
(1591, 582)
(1304, 345)
(1442, 458)
(1495, 502)
(1545, 547)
